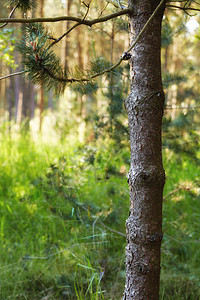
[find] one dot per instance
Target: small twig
(120, 5)
(117, 5)
(114, 4)
(177, 190)
(171, 193)
(112, 230)
(103, 9)
(183, 107)
(59, 252)
(87, 11)
(10, 15)
(64, 34)
(13, 74)
(181, 242)
(183, 8)
(70, 29)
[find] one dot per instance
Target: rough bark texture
(146, 176)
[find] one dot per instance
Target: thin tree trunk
(32, 100)
(146, 176)
(16, 92)
(65, 42)
(9, 98)
(19, 108)
(172, 90)
(31, 86)
(41, 92)
(50, 100)
(111, 76)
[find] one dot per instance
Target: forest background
(64, 159)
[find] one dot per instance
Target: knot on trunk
(141, 177)
(157, 237)
(152, 102)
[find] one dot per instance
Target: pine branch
(124, 55)
(43, 66)
(13, 74)
(68, 18)
(24, 5)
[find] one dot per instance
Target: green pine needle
(41, 64)
(97, 65)
(84, 88)
(24, 5)
(175, 78)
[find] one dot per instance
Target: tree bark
(146, 177)
(41, 92)
(65, 42)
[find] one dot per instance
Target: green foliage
(64, 205)
(115, 93)
(98, 64)
(175, 78)
(24, 5)
(48, 210)
(41, 64)
(7, 43)
(84, 88)
(167, 34)
(176, 138)
(121, 25)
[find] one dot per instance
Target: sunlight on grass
(63, 210)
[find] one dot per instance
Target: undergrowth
(62, 221)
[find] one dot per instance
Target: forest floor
(63, 208)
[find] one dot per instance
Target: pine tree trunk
(146, 176)
(41, 92)
(65, 42)
(9, 98)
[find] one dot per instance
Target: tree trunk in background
(19, 108)
(9, 98)
(172, 90)
(50, 100)
(32, 100)
(65, 41)
(41, 91)
(16, 93)
(31, 86)
(146, 177)
(0, 81)
(80, 98)
(112, 40)
(23, 91)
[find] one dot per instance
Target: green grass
(60, 208)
